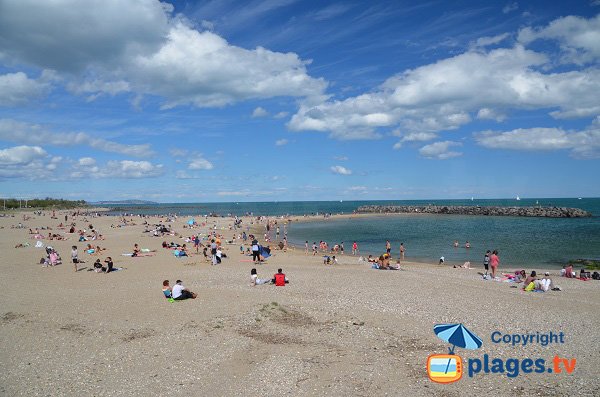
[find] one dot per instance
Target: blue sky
(266, 100)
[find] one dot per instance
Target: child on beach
(486, 261)
(74, 256)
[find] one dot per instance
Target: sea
(529, 243)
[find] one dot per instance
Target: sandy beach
(341, 330)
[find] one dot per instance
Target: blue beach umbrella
(191, 221)
(457, 335)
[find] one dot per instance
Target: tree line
(41, 203)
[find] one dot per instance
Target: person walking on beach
(213, 251)
(402, 249)
(255, 251)
(342, 248)
(388, 247)
(494, 262)
(354, 248)
(306, 247)
(314, 247)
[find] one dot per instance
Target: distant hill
(124, 202)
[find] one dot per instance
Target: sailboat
(471, 198)
(518, 198)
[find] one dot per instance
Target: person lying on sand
(254, 280)
(466, 265)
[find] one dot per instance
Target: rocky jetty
(544, 212)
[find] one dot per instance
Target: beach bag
(530, 287)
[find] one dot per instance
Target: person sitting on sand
(98, 266)
(167, 291)
(179, 292)
(569, 273)
(442, 259)
(109, 265)
(279, 279)
(529, 283)
(544, 284)
(254, 280)
(136, 250)
(370, 259)
(584, 274)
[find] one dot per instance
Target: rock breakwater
(544, 212)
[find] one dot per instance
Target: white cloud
(208, 25)
(200, 163)
(110, 46)
(441, 96)
(413, 137)
(419, 136)
(16, 131)
(440, 150)
(510, 7)
(71, 35)
(259, 112)
(490, 114)
(28, 162)
(18, 89)
(126, 169)
(338, 169)
(202, 69)
(341, 158)
(583, 144)
(490, 40)
(281, 142)
(579, 38)
(86, 162)
(99, 87)
(281, 115)
(20, 155)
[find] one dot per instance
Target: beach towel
(530, 287)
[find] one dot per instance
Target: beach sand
(342, 330)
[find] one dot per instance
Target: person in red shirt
(279, 279)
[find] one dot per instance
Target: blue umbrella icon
(457, 335)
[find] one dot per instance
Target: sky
(285, 100)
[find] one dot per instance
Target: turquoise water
(526, 242)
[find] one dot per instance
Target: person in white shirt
(179, 292)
